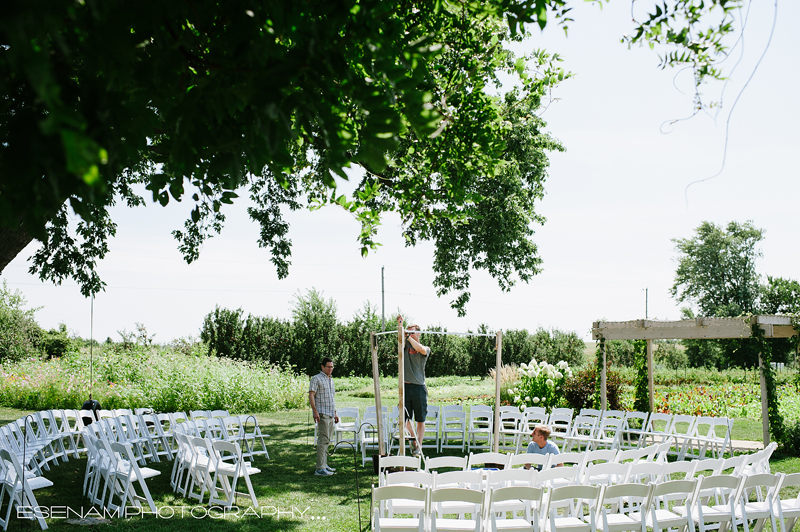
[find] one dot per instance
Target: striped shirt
(324, 393)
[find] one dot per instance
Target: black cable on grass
(355, 468)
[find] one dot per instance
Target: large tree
(717, 269)
(208, 99)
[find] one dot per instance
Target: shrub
(579, 389)
(668, 354)
(56, 343)
(20, 335)
(539, 384)
(790, 442)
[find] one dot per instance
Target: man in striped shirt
(321, 395)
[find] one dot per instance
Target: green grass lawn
(290, 496)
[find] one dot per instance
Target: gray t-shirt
(549, 448)
(414, 365)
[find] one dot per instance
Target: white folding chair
(583, 432)
(671, 506)
(720, 510)
(480, 430)
(201, 469)
(19, 486)
(681, 429)
(633, 426)
(410, 463)
(656, 430)
(560, 426)
(346, 430)
(605, 474)
(624, 507)
(229, 467)
(763, 508)
(565, 509)
(788, 510)
(382, 497)
(440, 498)
(501, 518)
(472, 480)
(453, 423)
(126, 472)
(430, 439)
(419, 479)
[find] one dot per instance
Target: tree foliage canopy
(209, 100)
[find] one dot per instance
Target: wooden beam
(498, 367)
(699, 328)
(603, 380)
(401, 377)
(376, 380)
(650, 387)
(764, 404)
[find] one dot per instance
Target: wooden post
(764, 404)
(401, 377)
(650, 391)
(603, 377)
(376, 379)
(497, 368)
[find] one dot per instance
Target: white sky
(613, 202)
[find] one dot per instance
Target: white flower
(562, 364)
(533, 362)
(524, 366)
(536, 400)
(521, 408)
(559, 374)
(517, 398)
(543, 363)
(527, 398)
(550, 383)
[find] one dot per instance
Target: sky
(614, 201)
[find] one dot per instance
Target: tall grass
(161, 378)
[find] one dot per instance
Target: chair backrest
(481, 459)
(635, 420)
(732, 465)
(707, 467)
(563, 412)
(659, 422)
(447, 409)
(639, 499)
(619, 414)
(674, 492)
(536, 409)
(220, 413)
(591, 412)
(462, 479)
(387, 493)
(560, 424)
(387, 462)
(584, 426)
(348, 412)
(471, 496)
(546, 477)
(601, 455)
(450, 462)
(675, 468)
(576, 459)
(516, 493)
(409, 478)
(645, 472)
(537, 461)
(533, 418)
(682, 425)
(605, 473)
(726, 487)
(481, 419)
(509, 477)
(571, 498)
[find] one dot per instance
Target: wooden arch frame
(773, 326)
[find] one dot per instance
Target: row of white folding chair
(214, 466)
(636, 507)
(126, 429)
(197, 415)
(19, 437)
(693, 436)
(243, 430)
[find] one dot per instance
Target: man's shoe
(331, 469)
(323, 473)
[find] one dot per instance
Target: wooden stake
(376, 380)
(401, 377)
(764, 403)
(650, 387)
(497, 369)
(603, 378)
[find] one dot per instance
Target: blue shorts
(416, 401)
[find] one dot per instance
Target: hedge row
(315, 332)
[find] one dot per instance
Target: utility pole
(646, 290)
(383, 305)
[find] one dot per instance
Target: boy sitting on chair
(540, 443)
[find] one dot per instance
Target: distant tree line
(315, 331)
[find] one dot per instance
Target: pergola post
(401, 377)
(497, 366)
(376, 380)
(650, 387)
(764, 403)
(603, 392)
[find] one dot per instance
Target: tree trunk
(12, 242)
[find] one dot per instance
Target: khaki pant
(324, 435)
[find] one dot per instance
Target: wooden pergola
(773, 326)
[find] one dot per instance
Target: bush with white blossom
(539, 384)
